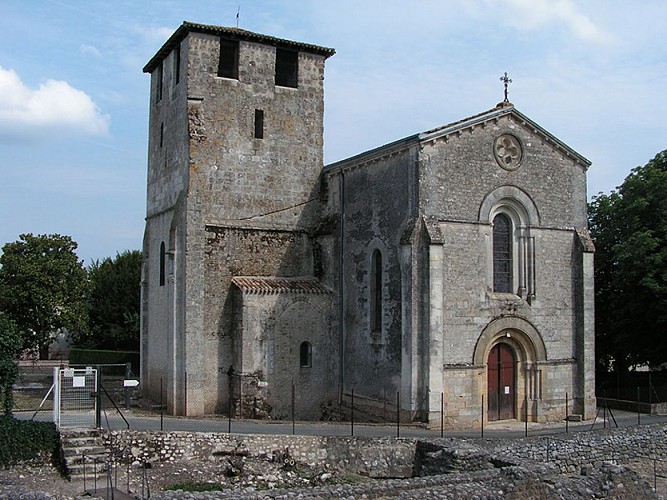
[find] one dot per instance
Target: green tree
(43, 288)
(629, 228)
(11, 341)
(113, 302)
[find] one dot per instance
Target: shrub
(22, 441)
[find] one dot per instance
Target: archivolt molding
(523, 336)
(513, 198)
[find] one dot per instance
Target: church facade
(450, 271)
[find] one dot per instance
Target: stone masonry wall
(373, 457)
(569, 453)
(404, 457)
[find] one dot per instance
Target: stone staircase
(84, 450)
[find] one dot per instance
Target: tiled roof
(400, 145)
(232, 34)
(271, 285)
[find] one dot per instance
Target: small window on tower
(177, 64)
(259, 124)
(287, 64)
(163, 264)
(376, 286)
(228, 65)
(305, 355)
(158, 90)
(161, 134)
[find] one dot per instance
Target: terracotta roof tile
(271, 285)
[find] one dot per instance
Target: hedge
(92, 357)
(23, 440)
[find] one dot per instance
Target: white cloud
(90, 50)
(535, 14)
(55, 108)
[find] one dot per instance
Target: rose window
(508, 153)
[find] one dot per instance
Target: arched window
(376, 292)
(305, 355)
(502, 254)
(163, 263)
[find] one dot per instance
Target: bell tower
(234, 158)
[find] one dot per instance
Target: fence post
(398, 414)
(639, 420)
(352, 415)
(482, 415)
(240, 396)
(293, 409)
(161, 408)
(526, 414)
(650, 389)
(442, 414)
(229, 411)
(56, 396)
(128, 374)
(567, 415)
(98, 396)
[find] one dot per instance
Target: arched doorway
(501, 382)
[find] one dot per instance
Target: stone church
(449, 271)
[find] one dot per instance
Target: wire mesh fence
(118, 404)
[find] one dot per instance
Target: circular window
(508, 152)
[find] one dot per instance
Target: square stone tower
(235, 153)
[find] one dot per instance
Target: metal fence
(119, 405)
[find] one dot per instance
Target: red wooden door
(501, 382)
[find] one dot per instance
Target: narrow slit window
(259, 124)
(287, 64)
(163, 263)
(177, 64)
(376, 292)
(228, 65)
(502, 254)
(158, 90)
(305, 355)
(161, 134)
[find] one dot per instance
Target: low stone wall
(572, 452)
(401, 458)
(373, 457)
(651, 409)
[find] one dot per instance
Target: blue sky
(74, 101)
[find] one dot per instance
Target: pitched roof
(230, 34)
(272, 285)
(502, 109)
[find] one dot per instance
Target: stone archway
(509, 348)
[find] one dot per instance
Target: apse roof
(271, 285)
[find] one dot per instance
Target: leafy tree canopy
(43, 287)
(629, 228)
(113, 303)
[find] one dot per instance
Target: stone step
(84, 449)
(78, 432)
(81, 442)
(74, 456)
